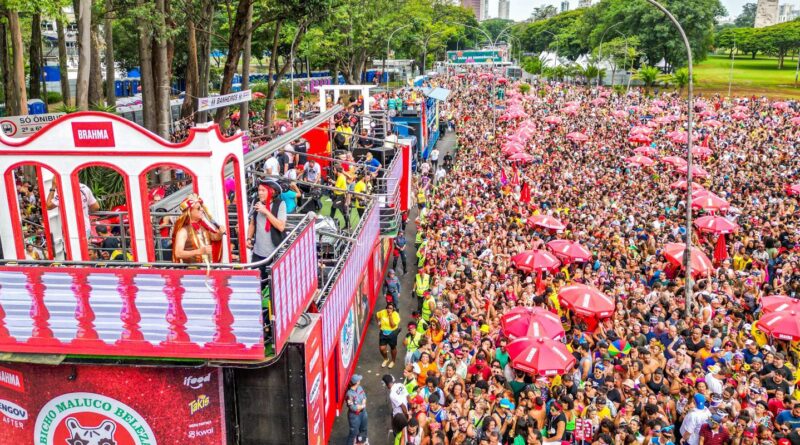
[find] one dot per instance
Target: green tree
(533, 65)
(780, 39)
(747, 19)
(564, 33)
(495, 26)
(620, 52)
(649, 75)
(543, 12)
(680, 78)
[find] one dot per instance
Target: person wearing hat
(268, 221)
(357, 413)
(695, 418)
(713, 433)
(391, 285)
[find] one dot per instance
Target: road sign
(24, 126)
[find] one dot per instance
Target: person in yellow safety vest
(428, 306)
(421, 252)
(422, 283)
(419, 238)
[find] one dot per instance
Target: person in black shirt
(657, 382)
(695, 342)
(774, 383)
(300, 148)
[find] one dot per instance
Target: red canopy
(783, 325)
(701, 264)
(534, 322)
(540, 356)
(702, 152)
(640, 138)
(739, 116)
(577, 137)
(586, 300)
(553, 120)
(716, 225)
(640, 160)
(521, 157)
(712, 123)
(535, 260)
(645, 150)
(795, 120)
(259, 95)
(698, 171)
(710, 203)
(570, 251)
(793, 189)
(779, 303)
(547, 222)
(674, 161)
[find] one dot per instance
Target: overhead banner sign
(209, 103)
(24, 126)
(114, 405)
(475, 56)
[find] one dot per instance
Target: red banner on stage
(118, 405)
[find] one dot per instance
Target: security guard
(400, 251)
(422, 283)
(428, 306)
(356, 404)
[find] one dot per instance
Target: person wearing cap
(356, 400)
(391, 285)
(713, 433)
(695, 418)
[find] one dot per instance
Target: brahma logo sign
(11, 379)
(90, 419)
(93, 134)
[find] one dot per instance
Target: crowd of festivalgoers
(648, 373)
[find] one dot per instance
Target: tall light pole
(687, 254)
(425, 48)
(555, 39)
(733, 59)
(600, 50)
(389, 42)
(625, 60)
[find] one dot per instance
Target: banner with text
(209, 103)
(81, 404)
(24, 126)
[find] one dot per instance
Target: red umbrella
(533, 322)
(540, 356)
(586, 300)
(674, 161)
(702, 152)
(683, 185)
(645, 150)
(619, 114)
(701, 265)
(640, 160)
(259, 95)
(547, 222)
(570, 110)
(712, 123)
(577, 137)
(678, 137)
(502, 81)
(535, 261)
(553, 120)
(697, 171)
(795, 120)
(710, 203)
(781, 325)
(640, 138)
(521, 157)
(780, 105)
(739, 116)
(569, 251)
(716, 225)
(793, 189)
(779, 303)
(598, 102)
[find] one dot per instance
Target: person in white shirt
(690, 428)
(272, 167)
(398, 395)
(88, 202)
(434, 157)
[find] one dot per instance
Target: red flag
(705, 141)
(525, 193)
(514, 174)
(721, 250)
(503, 179)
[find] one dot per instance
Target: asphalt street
(369, 363)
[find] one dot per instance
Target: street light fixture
(389, 42)
(687, 254)
(600, 50)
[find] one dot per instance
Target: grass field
(759, 77)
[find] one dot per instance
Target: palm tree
(543, 13)
(680, 79)
(649, 75)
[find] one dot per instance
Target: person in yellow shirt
(339, 197)
(361, 187)
(389, 324)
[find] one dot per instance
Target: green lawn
(760, 76)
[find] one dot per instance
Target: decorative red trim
(13, 206)
(84, 243)
(107, 116)
(138, 270)
(11, 195)
(237, 178)
(45, 217)
(149, 241)
(103, 153)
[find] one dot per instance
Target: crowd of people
(706, 375)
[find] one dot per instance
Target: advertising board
(58, 405)
(24, 126)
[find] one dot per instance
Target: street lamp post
(600, 50)
(555, 38)
(625, 60)
(389, 42)
(687, 255)
(425, 49)
(733, 60)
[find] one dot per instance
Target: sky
(521, 9)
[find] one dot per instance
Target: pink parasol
(795, 121)
(780, 105)
(570, 110)
(521, 157)
(533, 322)
(739, 116)
(645, 150)
(540, 356)
(718, 226)
(640, 138)
(682, 184)
(784, 325)
(553, 120)
(678, 137)
(641, 129)
(640, 160)
(548, 222)
(779, 303)
(619, 114)
(710, 203)
(697, 171)
(712, 123)
(569, 251)
(674, 161)
(577, 137)
(702, 152)
(586, 300)
(701, 264)
(793, 190)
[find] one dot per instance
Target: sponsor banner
(24, 126)
(475, 56)
(209, 103)
(93, 134)
(114, 405)
(315, 407)
(294, 281)
(340, 298)
(11, 379)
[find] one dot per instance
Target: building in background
(766, 13)
(565, 6)
(787, 12)
(502, 9)
(484, 10)
(584, 3)
(475, 6)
